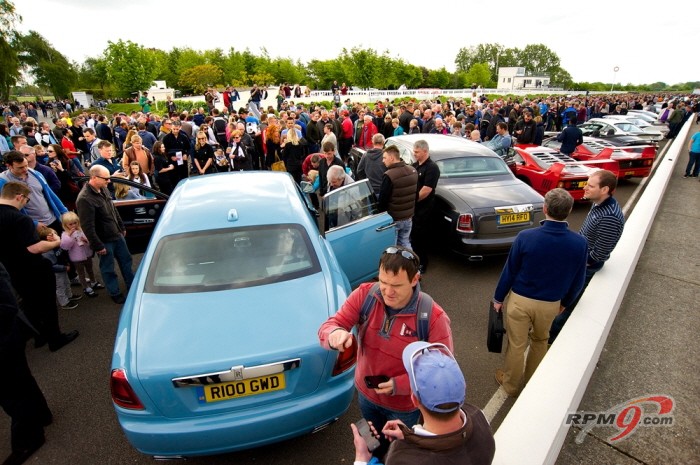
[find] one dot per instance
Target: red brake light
(465, 223)
(122, 393)
(346, 359)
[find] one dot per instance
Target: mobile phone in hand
(366, 433)
(373, 382)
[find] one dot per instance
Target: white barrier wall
(534, 430)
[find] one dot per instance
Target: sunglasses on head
(408, 255)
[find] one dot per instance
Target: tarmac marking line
(495, 403)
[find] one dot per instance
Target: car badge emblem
(237, 373)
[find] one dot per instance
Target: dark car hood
(489, 194)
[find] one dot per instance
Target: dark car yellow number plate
(514, 218)
(243, 388)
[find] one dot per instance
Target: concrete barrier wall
(534, 430)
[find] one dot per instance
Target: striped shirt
(602, 229)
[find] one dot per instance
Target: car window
(348, 204)
(628, 127)
(406, 152)
(471, 166)
(588, 129)
(213, 260)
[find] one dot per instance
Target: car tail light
(648, 162)
(122, 393)
(346, 359)
(465, 223)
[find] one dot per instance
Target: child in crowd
(59, 260)
(221, 160)
(136, 174)
(73, 240)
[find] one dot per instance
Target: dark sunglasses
(408, 255)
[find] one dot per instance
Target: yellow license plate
(629, 173)
(514, 218)
(243, 388)
(582, 184)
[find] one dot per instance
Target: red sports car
(544, 169)
(634, 159)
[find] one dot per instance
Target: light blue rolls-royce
(217, 346)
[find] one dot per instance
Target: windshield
(231, 258)
(629, 127)
(471, 166)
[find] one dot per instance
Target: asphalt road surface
(75, 380)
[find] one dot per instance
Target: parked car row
(217, 351)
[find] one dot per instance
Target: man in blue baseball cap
(449, 430)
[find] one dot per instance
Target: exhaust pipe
(476, 258)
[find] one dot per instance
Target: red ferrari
(544, 169)
(634, 160)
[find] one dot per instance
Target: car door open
(355, 230)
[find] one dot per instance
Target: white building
(159, 91)
(516, 78)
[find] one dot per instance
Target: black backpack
(220, 126)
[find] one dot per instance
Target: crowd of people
(56, 226)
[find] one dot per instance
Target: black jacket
(99, 218)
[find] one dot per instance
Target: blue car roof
(232, 200)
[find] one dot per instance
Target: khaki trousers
(526, 319)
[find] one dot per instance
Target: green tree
(479, 74)
(360, 66)
(9, 61)
(130, 66)
(539, 59)
(439, 78)
(164, 69)
(232, 66)
(93, 73)
(199, 77)
(482, 53)
(407, 74)
(48, 66)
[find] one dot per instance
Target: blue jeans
(116, 250)
(379, 415)
(694, 160)
(403, 233)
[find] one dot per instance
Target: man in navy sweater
(602, 229)
(544, 273)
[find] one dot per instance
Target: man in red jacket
(369, 129)
(390, 325)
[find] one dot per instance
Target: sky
(591, 37)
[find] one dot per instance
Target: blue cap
(435, 376)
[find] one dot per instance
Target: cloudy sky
(590, 37)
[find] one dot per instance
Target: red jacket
(368, 131)
(382, 355)
(348, 132)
